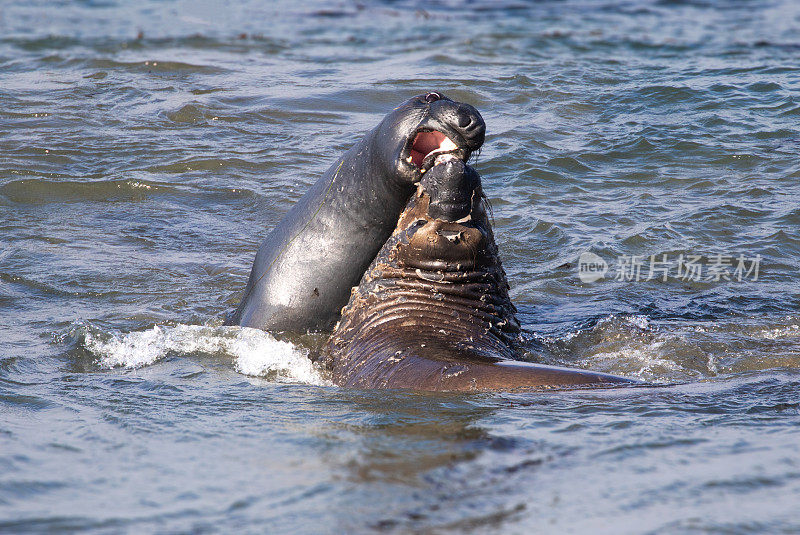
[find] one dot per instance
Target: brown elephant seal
(306, 266)
(432, 311)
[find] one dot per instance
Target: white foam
(643, 322)
(646, 362)
(789, 331)
(255, 352)
(628, 345)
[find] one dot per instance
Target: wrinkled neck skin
(436, 290)
(454, 267)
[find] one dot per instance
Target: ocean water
(641, 161)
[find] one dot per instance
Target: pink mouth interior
(427, 142)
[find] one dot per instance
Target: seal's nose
(450, 186)
(471, 124)
(465, 120)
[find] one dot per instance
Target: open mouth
(429, 147)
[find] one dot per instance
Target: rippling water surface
(147, 148)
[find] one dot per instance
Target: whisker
(476, 154)
(488, 206)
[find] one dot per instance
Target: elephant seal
(432, 311)
(306, 266)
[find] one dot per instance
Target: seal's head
(447, 227)
(423, 128)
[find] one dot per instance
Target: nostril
(467, 117)
(432, 97)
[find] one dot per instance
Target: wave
(254, 352)
(673, 351)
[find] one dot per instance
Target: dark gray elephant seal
(432, 312)
(306, 266)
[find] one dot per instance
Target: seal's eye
(432, 97)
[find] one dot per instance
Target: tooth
(447, 144)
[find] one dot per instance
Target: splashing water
(254, 352)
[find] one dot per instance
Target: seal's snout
(464, 119)
(472, 125)
(450, 184)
